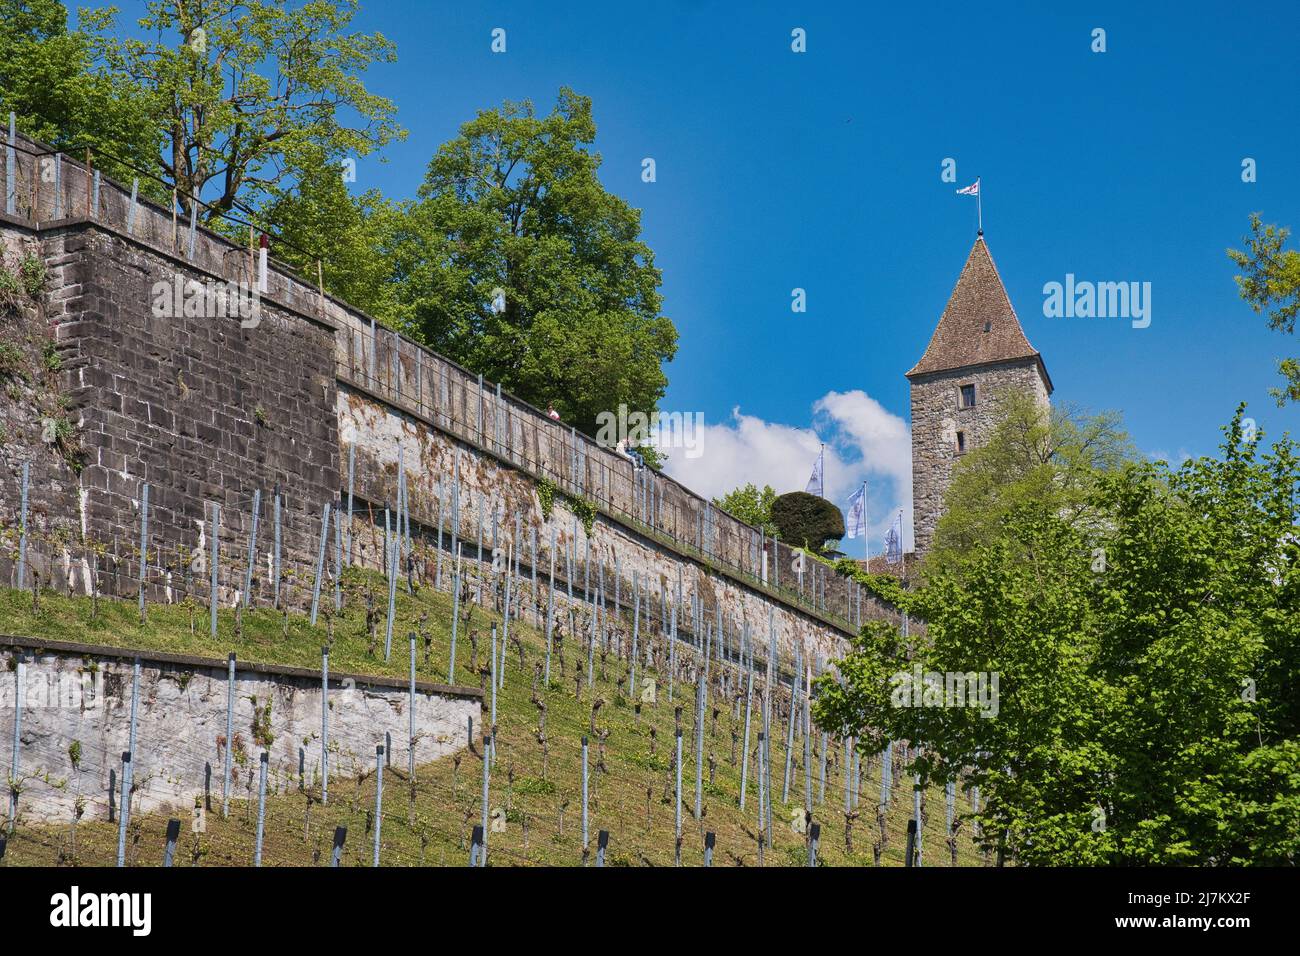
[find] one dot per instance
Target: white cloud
(864, 442)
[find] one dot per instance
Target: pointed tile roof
(979, 302)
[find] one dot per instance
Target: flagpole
(823, 469)
(866, 526)
(979, 205)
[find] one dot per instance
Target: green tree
(50, 79)
(804, 520)
(517, 262)
(1036, 457)
(1270, 279)
(318, 217)
(750, 505)
(1147, 661)
(248, 93)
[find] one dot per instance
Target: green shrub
(805, 520)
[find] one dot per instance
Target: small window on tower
(961, 443)
(988, 326)
(968, 396)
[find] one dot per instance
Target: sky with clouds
(822, 171)
(865, 442)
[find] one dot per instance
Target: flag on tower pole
(894, 541)
(856, 523)
(816, 486)
(974, 190)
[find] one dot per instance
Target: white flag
(857, 519)
(815, 480)
(894, 541)
(972, 190)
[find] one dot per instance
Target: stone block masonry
(938, 416)
(82, 693)
(207, 411)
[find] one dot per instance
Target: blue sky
(821, 171)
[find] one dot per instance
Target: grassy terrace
(428, 821)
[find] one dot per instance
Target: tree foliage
(1047, 457)
(61, 95)
(229, 100)
(516, 262)
(750, 505)
(1147, 665)
(1270, 279)
(807, 521)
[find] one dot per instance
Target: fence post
(135, 701)
(487, 768)
(676, 808)
(709, 840)
(602, 844)
(173, 834)
(492, 680)
(20, 691)
(144, 542)
(338, 557)
(911, 842)
(455, 617)
(916, 814)
(505, 625)
(701, 679)
(324, 724)
(125, 808)
(320, 560)
(216, 556)
(379, 796)
(744, 756)
(585, 838)
(477, 851)
(275, 557)
(261, 809)
(352, 460)
(230, 734)
(807, 738)
(886, 775)
(762, 794)
(392, 542)
(340, 837)
(814, 837)
(11, 185)
(252, 547)
(411, 709)
(22, 530)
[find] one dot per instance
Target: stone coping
(37, 645)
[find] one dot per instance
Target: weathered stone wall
(937, 416)
(206, 410)
(83, 694)
(375, 434)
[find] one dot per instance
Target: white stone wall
(376, 433)
(181, 730)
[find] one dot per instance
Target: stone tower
(977, 353)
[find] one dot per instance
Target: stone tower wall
(936, 419)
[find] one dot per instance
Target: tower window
(967, 397)
(988, 326)
(961, 443)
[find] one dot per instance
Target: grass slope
(428, 821)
